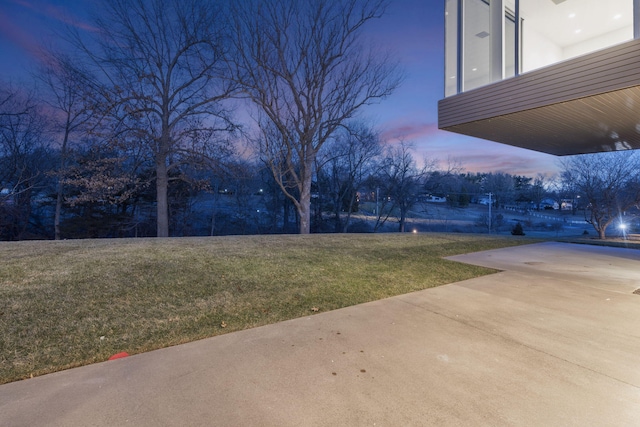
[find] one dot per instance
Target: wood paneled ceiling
(604, 122)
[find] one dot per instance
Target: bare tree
(24, 159)
(538, 191)
(448, 181)
(302, 65)
(11, 104)
(164, 64)
(347, 161)
(609, 182)
(501, 186)
(67, 90)
(402, 179)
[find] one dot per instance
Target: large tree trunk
(162, 175)
(352, 200)
(602, 233)
(403, 220)
(303, 205)
(56, 220)
(162, 184)
(60, 189)
(304, 210)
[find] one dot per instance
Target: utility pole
(490, 203)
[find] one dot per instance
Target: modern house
(556, 76)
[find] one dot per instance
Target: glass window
(556, 30)
(509, 43)
(451, 48)
(476, 50)
(549, 31)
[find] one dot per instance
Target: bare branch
(165, 64)
(302, 65)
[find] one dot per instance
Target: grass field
(70, 303)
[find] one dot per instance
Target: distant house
(566, 205)
(556, 76)
(549, 204)
(435, 199)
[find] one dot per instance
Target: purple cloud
(410, 131)
(54, 12)
(18, 36)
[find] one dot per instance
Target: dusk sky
(412, 29)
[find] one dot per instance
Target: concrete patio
(554, 339)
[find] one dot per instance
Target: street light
(623, 229)
(490, 203)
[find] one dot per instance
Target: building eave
(584, 105)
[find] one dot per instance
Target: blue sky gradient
(412, 30)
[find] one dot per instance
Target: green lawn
(71, 303)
